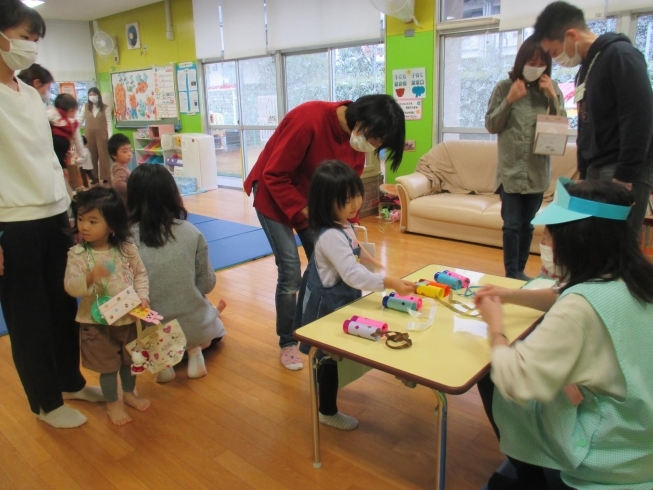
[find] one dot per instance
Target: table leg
(313, 364)
(441, 448)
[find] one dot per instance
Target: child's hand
(99, 272)
(402, 287)
(145, 303)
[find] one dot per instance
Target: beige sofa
(451, 194)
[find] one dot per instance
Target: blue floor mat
(237, 249)
(3, 325)
(198, 218)
(218, 229)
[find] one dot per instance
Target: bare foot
(117, 414)
(135, 401)
(222, 304)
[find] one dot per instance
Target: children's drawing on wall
(134, 96)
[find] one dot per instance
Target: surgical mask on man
(532, 73)
(359, 143)
(564, 60)
(93, 99)
(549, 268)
(21, 55)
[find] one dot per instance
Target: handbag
(551, 133)
(158, 347)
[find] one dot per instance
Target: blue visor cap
(565, 208)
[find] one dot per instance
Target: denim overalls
(314, 302)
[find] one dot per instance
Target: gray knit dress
(180, 276)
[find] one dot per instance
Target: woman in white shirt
(98, 130)
(35, 235)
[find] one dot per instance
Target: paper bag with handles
(368, 252)
(551, 134)
(162, 345)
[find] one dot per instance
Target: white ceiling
(87, 9)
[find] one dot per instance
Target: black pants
(40, 315)
(517, 212)
(530, 475)
(85, 176)
(327, 378)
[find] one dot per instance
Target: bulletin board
(145, 96)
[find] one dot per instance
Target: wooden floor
(247, 424)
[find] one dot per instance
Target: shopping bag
(551, 134)
(368, 250)
(160, 346)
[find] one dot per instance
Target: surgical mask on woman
(359, 143)
(93, 99)
(548, 265)
(532, 73)
(21, 55)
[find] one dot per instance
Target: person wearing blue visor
(576, 395)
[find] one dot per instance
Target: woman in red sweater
(308, 135)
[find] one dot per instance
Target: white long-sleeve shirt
(32, 183)
(570, 346)
(334, 259)
(96, 110)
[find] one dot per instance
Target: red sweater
(307, 136)
(64, 126)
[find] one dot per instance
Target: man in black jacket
(615, 101)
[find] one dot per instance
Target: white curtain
(243, 22)
(67, 51)
(206, 20)
(296, 24)
(517, 14)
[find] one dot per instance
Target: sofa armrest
(415, 185)
(410, 187)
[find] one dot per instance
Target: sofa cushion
(468, 209)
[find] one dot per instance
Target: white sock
(339, 421)
(165, 376)
(63, 417)
(88, 393)
(196, 366)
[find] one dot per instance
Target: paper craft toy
(121, 304)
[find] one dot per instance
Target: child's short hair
(110, 205)
(153, 202)
(333, 183)
(84, 140)
(116, 141)
(66, 102)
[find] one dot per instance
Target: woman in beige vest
(98, 130)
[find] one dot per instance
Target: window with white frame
(468, 9)
(644, 40)
(241, 99)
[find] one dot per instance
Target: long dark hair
(36, 72)
(599, 249)
(109, 203)
(100, 104)
(14, 13)
(528, 50)
(154, 203)
(333, 183)
(380, 117)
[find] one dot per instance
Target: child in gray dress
(176, 258)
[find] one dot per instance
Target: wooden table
(449, 357)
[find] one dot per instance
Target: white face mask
(568, 62)
(93, 99)
(21, 55)
(548, 266)
(532, 73)
(359, 143)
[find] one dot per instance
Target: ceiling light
(32, 3)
